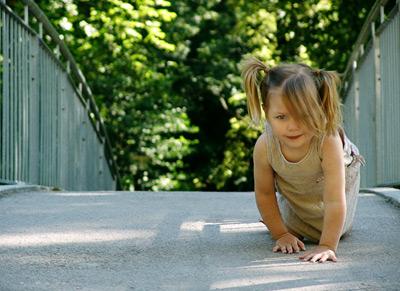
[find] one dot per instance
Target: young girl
(306, 171)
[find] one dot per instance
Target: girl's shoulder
(266, 144)
(260, 152)
(329, 144)
(262, 143)
(268, 135)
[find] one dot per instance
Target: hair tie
(266, 70)
(317, 78)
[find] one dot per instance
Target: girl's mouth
(294, 137)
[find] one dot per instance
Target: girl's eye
(280, 117)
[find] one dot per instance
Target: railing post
(31, 102)
(57, 52)
(26, 15)
(378, 101)
(41, 30)
(356, 102)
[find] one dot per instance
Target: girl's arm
(334, 201)
(265, 190)
(334, 192)
(267, 204)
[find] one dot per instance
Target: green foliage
(165, 75)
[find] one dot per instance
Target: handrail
(376, 11)
(370, 95)
(74, 71)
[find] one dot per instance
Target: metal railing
(371, 95)
(51, 130)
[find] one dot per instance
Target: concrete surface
(21, 187)
(179, 241)
(392, 195)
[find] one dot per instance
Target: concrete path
(179, 241)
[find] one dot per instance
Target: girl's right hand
(288, 243)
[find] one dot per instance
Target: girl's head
(310, 96)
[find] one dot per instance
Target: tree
(216, 35)
(122, 48)
(166, 77)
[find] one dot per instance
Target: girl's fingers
(316, 258)
(304, 255)
(288, 246)
(301, 244)
(333, 258)
(307, 256)
(324, 258)
(278, 248)
(315, 255)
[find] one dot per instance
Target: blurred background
(166, 80)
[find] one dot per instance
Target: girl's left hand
(320, 254)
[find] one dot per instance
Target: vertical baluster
(42, 92)
(13, 98)
(376, 48)
(31, 113)
(6, 98)
(47, 77)
(2, 28)
(26, 106)
(20, 127)
(24, 141)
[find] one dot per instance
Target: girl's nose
(293, 125)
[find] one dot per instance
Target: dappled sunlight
(285, 261)
(72, 237)
(290, 260)
(246, 282)
(365, 194)
(192, 226)
(242, 227)
(282, 282)
(223, 227)
(189, 245)
(283, 271)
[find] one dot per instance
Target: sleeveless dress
(300, 185)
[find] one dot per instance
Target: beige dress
(300, 185)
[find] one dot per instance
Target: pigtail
(251, 68)
(328, 82)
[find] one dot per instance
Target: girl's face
(292, 134)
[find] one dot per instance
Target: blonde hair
(310, 95)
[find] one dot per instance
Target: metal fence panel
(349, 112)
(33, 111)
(46, 135)
(367, 125)
(375, 88)
(389, 156)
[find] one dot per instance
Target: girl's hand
(320, 254)
(288, 243)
